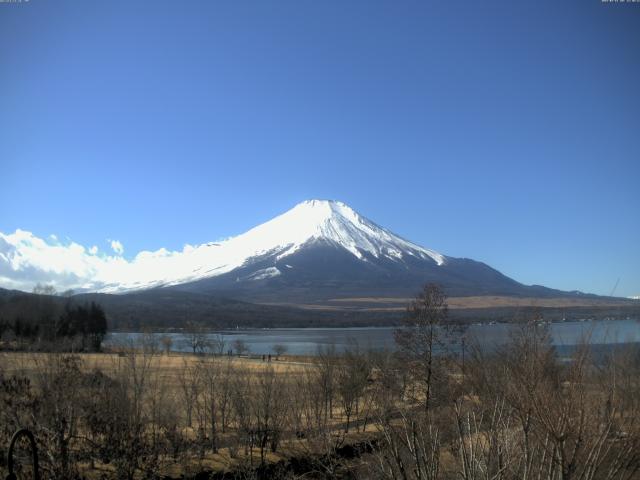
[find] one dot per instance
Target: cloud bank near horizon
(27, 260)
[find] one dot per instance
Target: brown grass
(489, 301)
(167, 365)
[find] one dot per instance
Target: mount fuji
(321, 250)
(319, 264)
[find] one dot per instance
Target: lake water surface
(306, 341)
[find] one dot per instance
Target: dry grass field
(167, 366)
(399, 304)
(138, 414)
(177, 383)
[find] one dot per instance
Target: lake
(306, 341)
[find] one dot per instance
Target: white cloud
(117, 247)
(26, 260)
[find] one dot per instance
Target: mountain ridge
(323, 248)
(316, 251)
(307, 223)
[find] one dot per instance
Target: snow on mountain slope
(331, 221)
(314, 220)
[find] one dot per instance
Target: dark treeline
(162, 309)
(43, 320)
(166, 309)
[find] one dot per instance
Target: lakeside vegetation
(43, 321)
(519, 412)
(162, 310)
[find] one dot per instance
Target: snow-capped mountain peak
(318, 251)
(312, 221)
(338, 223)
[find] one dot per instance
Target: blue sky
(507, 132)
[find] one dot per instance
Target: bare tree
(325, 361)
(546, 419)
(216, 344)
(270, 408)
(421, 336)
(195, 337)
(167, 343)
(149, 343)
(410, 441)
(352, 374)
(59, 382)
(240, 347)
(279, 349)
(188, 380)
(209, 374)
(127, 437)
(224, 391)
